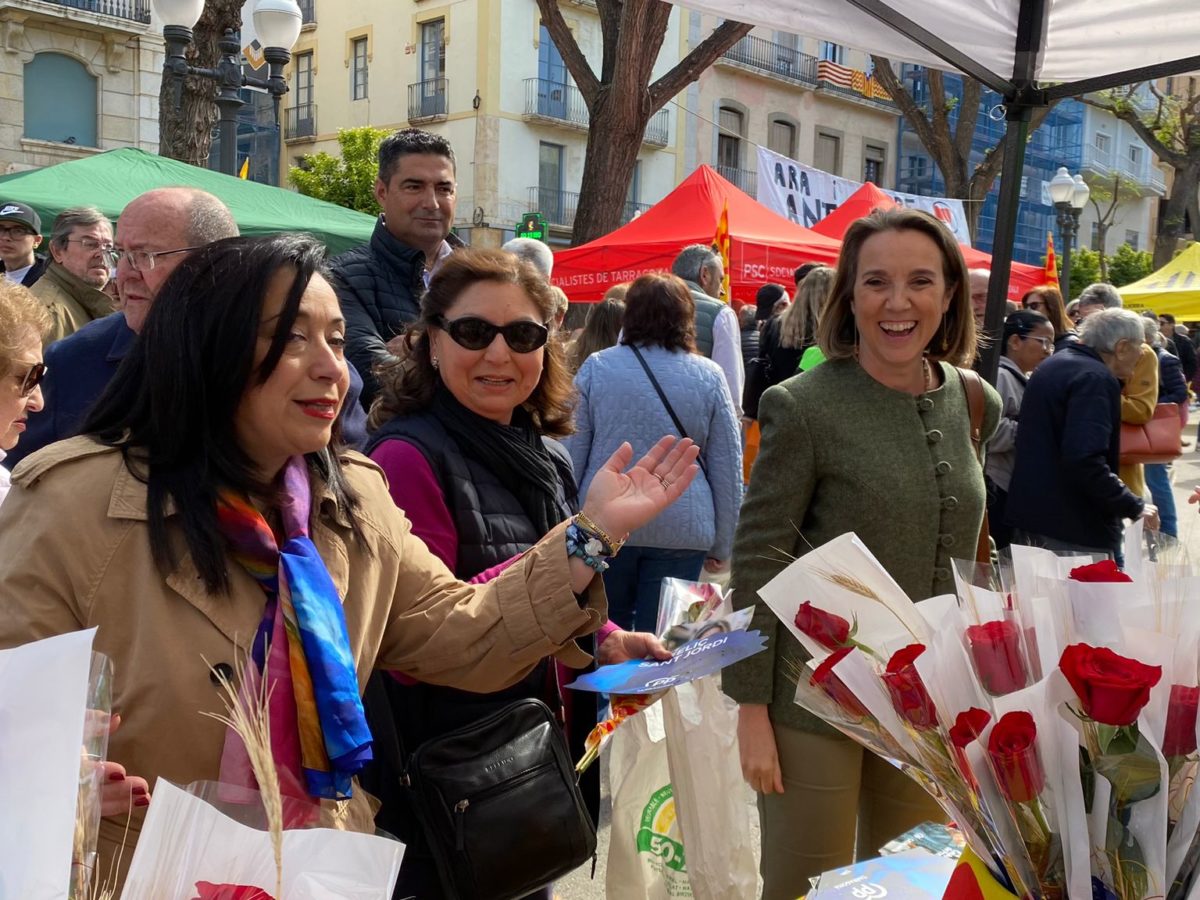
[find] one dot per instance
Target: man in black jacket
(1180, 346)
(1065, 494)
(380, 284)
(20, 234)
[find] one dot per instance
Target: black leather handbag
(502, 812)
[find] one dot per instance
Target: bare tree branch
(568, 48)
(902, 98)
(968, 116)
(700, 58)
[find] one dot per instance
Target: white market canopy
(1079, 39)
(1031, 52)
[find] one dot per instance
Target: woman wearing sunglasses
(466, 424)
(23, 323)
(1047, 300)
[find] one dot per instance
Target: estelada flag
(1051, 265)
(720, 246)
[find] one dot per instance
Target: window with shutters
(781, 137)
(828, 152)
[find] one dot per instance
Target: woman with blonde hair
(23, 323)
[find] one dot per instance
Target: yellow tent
(1175, 288)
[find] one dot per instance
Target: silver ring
(665, 484)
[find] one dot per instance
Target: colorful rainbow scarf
(317, 720)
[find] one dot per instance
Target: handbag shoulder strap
(973, 387)
(665, 402)
(658, 389)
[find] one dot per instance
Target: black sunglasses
(474, 333)
(31, 379)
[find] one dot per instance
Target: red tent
(869, 198)
(763, 246)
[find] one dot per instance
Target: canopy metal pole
(1016, 135)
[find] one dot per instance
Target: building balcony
(559, 206)
(119, 16)
(563, 105)
(743, 178)
(300, 122)
(308, 12)
(1103, 162)
(762, 55)
(428, 101)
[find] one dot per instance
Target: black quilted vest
(491, 525)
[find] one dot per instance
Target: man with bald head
(155, 233)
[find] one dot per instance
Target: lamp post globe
(277, 23)
(1061, 186)
(1080, 194)
(184, 13)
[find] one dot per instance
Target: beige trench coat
(75, 553)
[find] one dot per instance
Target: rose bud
(1180, 737)
(829, 630)
(996, 653)
(908, 693)
(1012, 745)
(825, 678)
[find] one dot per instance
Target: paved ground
(579, 886)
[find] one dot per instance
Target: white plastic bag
(645, 854)
(43, 696)
(186, 841)
(712, 799)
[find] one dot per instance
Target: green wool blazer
(841, 452)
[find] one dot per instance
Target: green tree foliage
(1085, 270)
(1128, 265)
(348, 179)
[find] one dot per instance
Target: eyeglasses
(474, 333)
(14, 231)
(1047, 344)
(31, 379)
(143, 260)
(91, 245)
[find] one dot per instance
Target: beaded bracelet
(586, 547)
(611, 547)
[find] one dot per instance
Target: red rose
(1012, 745)
(825, 678)
(827, 629)
(1180, 737)
(996, 652)
(1112, 688)
(968, 726)
(209, 891)
(1103, 572)
(909, 696)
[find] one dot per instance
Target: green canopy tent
(110, 180)
(1174, 289)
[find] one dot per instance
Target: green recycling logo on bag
(658, 824)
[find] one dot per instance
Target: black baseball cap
(12, 211)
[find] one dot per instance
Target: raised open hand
(622, 499)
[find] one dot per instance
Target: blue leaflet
(693, 660)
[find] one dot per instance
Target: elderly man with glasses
(155, 233)
(81, 245)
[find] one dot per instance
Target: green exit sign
(532, 225)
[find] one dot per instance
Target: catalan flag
(720, 246)
(1051, 265)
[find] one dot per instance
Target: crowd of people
(194, 400)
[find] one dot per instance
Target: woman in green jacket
(875, 441)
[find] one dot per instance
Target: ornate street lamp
(1069, 196)
(277, 25)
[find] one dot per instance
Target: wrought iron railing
(743, 178)
(559, 207)
(428, 99)
(563, 103)
(133, 10)
(775, 59)
(300, 121)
